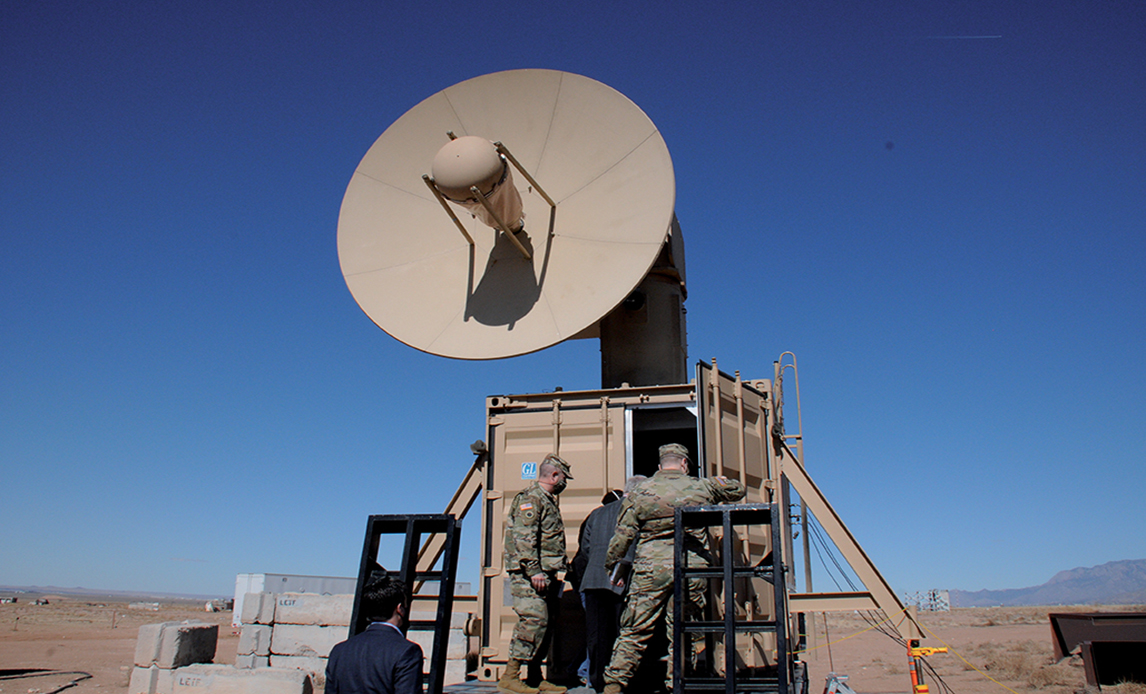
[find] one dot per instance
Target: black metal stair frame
(414, 527)
(770, 569)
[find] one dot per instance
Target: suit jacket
(596, 532)
(377, 661)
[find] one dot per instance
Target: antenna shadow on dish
(509, 287)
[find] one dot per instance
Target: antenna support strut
(504, 151)
(445, 206)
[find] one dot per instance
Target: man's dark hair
(382, 595)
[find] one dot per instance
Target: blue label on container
(529, 471)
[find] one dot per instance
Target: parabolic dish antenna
(595, 154)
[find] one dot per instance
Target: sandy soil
(76, 634)
(1005, 649)
(1019, 638)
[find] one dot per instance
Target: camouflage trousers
(531, 634)
(650, 601)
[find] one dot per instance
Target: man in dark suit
(603, 599)
(379, 660)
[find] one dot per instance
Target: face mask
(559, 487)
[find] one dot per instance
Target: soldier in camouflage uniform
(647, 517)
(534, 553)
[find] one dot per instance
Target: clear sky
(938, 206)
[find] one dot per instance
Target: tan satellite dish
(431, 274)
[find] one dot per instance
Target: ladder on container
(784, 677)
(448, 530)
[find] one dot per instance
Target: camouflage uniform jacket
(647, 513)
(535, 533)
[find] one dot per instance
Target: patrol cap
(558, 463)
(673, 449)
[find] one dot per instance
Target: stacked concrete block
(306, 639)
(306, 626)
(305, 647)
(298, 630)
(455, 653)
(151, 680)
(174, 644)
(455, 672)
(457, 647)
(258, 608)
(311, 665)
(254, 647)
(249, 661)
(458, 620)
(319, 610)
(224, 679)
(175, 657)
(162, 648)
(258, 617)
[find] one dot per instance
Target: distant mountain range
(1113, 583)
(97, 593)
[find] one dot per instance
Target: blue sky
(948, 232)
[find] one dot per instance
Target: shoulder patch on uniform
(526, 506)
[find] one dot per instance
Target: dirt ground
(995, 650)
(991, 651)
(76, 634)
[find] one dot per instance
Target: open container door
(734, 429)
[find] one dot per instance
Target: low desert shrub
(1031, 663)
(1055, 675)
(1011, 661)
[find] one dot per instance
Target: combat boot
(612, 688)
(511, 679)
(543, 685)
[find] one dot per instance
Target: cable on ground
(49, 673)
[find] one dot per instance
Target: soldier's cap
(673, 449)
(559, 464)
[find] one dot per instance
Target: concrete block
(456, 647)
(224, 679)
(315, 666)
(151, 680)
(258, 608)
(249, 661)
(255, 639)
(457, 619)
(425, 639)
(308, 608)
(147, 643)
(309, 640)
(175, 644)
(455, 672)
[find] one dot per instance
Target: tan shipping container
(606, 436)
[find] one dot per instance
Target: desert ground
(991, 651)
(87, 634)
(995, 650)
